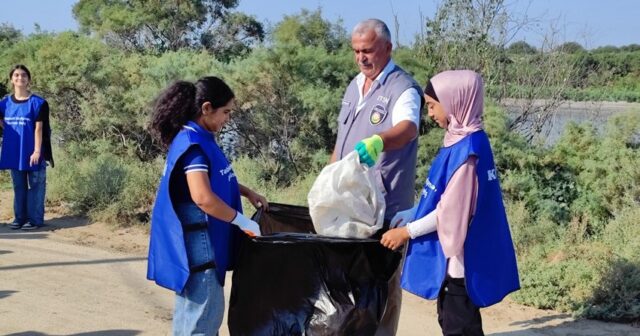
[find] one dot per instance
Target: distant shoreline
(607, 107)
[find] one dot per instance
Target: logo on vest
(491, 174)
(378, 113)
(383, 99)
(427, 185)
(17, 121)
(228, 171)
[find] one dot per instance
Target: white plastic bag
(344, 200)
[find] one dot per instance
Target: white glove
(403, 217)
(246, 224)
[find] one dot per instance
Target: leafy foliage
(170, 25)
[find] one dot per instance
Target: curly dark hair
(182, 101)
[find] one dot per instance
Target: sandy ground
(79, 278)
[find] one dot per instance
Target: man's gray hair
(376, 25)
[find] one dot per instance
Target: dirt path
(75, 278)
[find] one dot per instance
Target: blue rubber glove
(403, 217)
(369, 149)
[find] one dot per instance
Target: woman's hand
(395, 238)
(257, 200)
(35, 158)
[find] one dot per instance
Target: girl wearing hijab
(26, 147)
(197, 215)
(460, 249)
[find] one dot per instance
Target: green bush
(136, 197)
(105, 187)
(590, 264)
(560, 276)
(617, 296)
(526, 231)
(94, 183)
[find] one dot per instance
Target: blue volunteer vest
(168, 265)
(489, 258)
(18, 141)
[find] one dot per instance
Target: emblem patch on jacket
(377, 115)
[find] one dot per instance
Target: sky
(592, 23)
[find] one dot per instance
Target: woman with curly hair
(197, 216)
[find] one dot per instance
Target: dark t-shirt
(193, 160)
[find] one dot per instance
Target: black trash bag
(299, 283)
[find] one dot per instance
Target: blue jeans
(29, 188)
(200, 307)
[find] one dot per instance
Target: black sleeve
(43, 114)
(3, 106)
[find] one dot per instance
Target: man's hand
(369, 149)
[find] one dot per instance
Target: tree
(570, 47)
(472, 34)
(522, 48)
(234, 36)
(290, 99)
(169, 25)
(464, 34)
(630, 47)
(9, 34)
(310, 29)
(606, 49)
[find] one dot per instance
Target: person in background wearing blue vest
(460, 249)
(26, 147)
(379, 117)
(197, 216)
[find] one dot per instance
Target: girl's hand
(258, 200)
(34, 159)
(395, 238)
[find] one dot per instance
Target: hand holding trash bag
(256, 199)
(344, 200)
(369, 149)
(250, 227)
(396, 238)
(411, 229)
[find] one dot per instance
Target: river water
(597, 113)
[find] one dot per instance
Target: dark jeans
(29, 188)
(457, 314)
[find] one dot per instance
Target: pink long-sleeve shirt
(454, 212)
